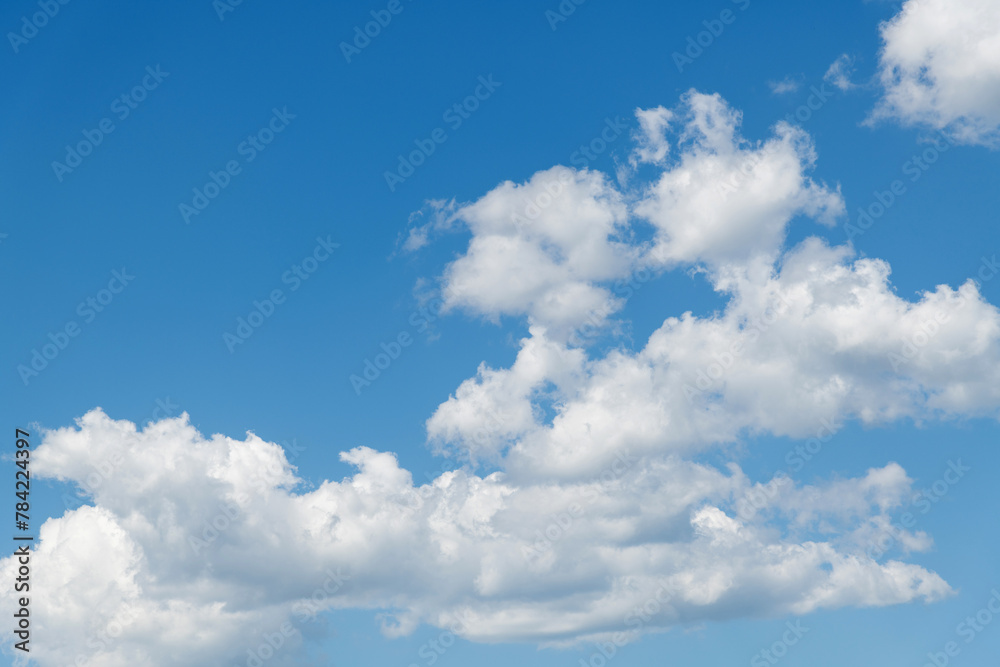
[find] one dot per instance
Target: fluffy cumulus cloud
(726, 200)
(822, 338)
(541, 249)
(940, 67)
(551, 248)
(175, 562)
(597, 504)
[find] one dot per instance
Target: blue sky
(158, 342)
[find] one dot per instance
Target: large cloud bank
(601, 501)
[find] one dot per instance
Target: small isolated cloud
(436, 216)
(840, 72)
(940, 68)
(651, 138)
(785, 86)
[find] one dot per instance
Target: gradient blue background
(162, 337)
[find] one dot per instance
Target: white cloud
(541, 249)
(496, 407)
(727, 200)
(601, 497)
(823, 338)
(653, 146)
(839, 73)
(462, 550)
(600, 500)
(940, 67)
(548, 248)
(442, 218)
(783, 87)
